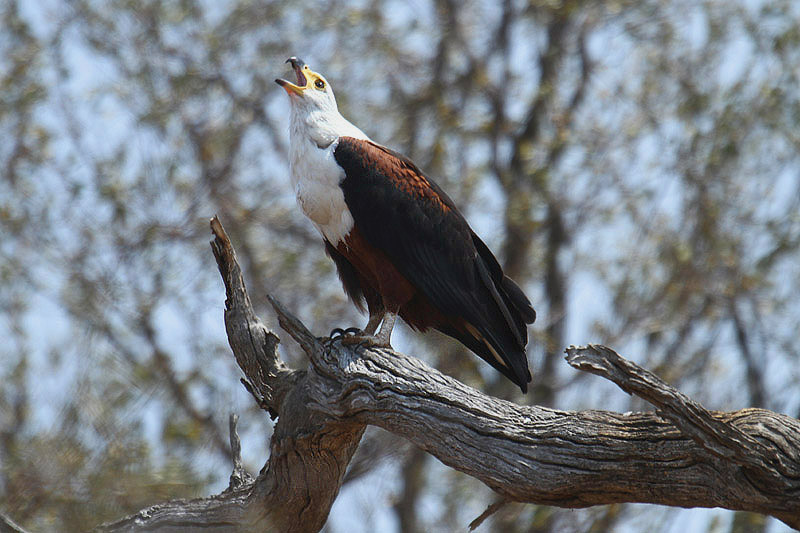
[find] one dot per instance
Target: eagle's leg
(373, 322)
(375, 317)
(356, 335)
(382, 338)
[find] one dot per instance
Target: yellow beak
(300, 70)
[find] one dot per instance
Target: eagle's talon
(339, 334)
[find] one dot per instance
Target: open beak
(299, 67)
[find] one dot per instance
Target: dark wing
(406, 215)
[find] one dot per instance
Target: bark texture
(681, 455)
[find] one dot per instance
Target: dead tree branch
(309, 451)
(681, 455)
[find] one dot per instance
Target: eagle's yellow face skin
(307, 80)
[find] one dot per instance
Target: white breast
(314, 131)
(316, 177)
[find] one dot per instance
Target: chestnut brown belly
(375, 270)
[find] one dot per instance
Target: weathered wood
(723, 439)
(309, 450)
(683, 455)
(240, 476)
(568, 459)
(254, 346)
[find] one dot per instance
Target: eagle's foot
(366, 341)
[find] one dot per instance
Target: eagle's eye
(319, 84)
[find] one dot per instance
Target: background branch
(8, 526)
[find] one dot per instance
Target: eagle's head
(311, 92)
(315, 115)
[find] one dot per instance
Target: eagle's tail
(512, 364)
(499, 333)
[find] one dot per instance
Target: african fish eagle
(398, 241)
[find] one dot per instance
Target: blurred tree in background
(635, 165)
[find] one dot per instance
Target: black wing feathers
(512, 292)
(518, 300)
(406, 215)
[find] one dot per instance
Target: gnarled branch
(683, 455)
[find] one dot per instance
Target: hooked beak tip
(296, 62)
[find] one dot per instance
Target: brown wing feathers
(405, 215)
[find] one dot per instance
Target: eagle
(399, 243)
